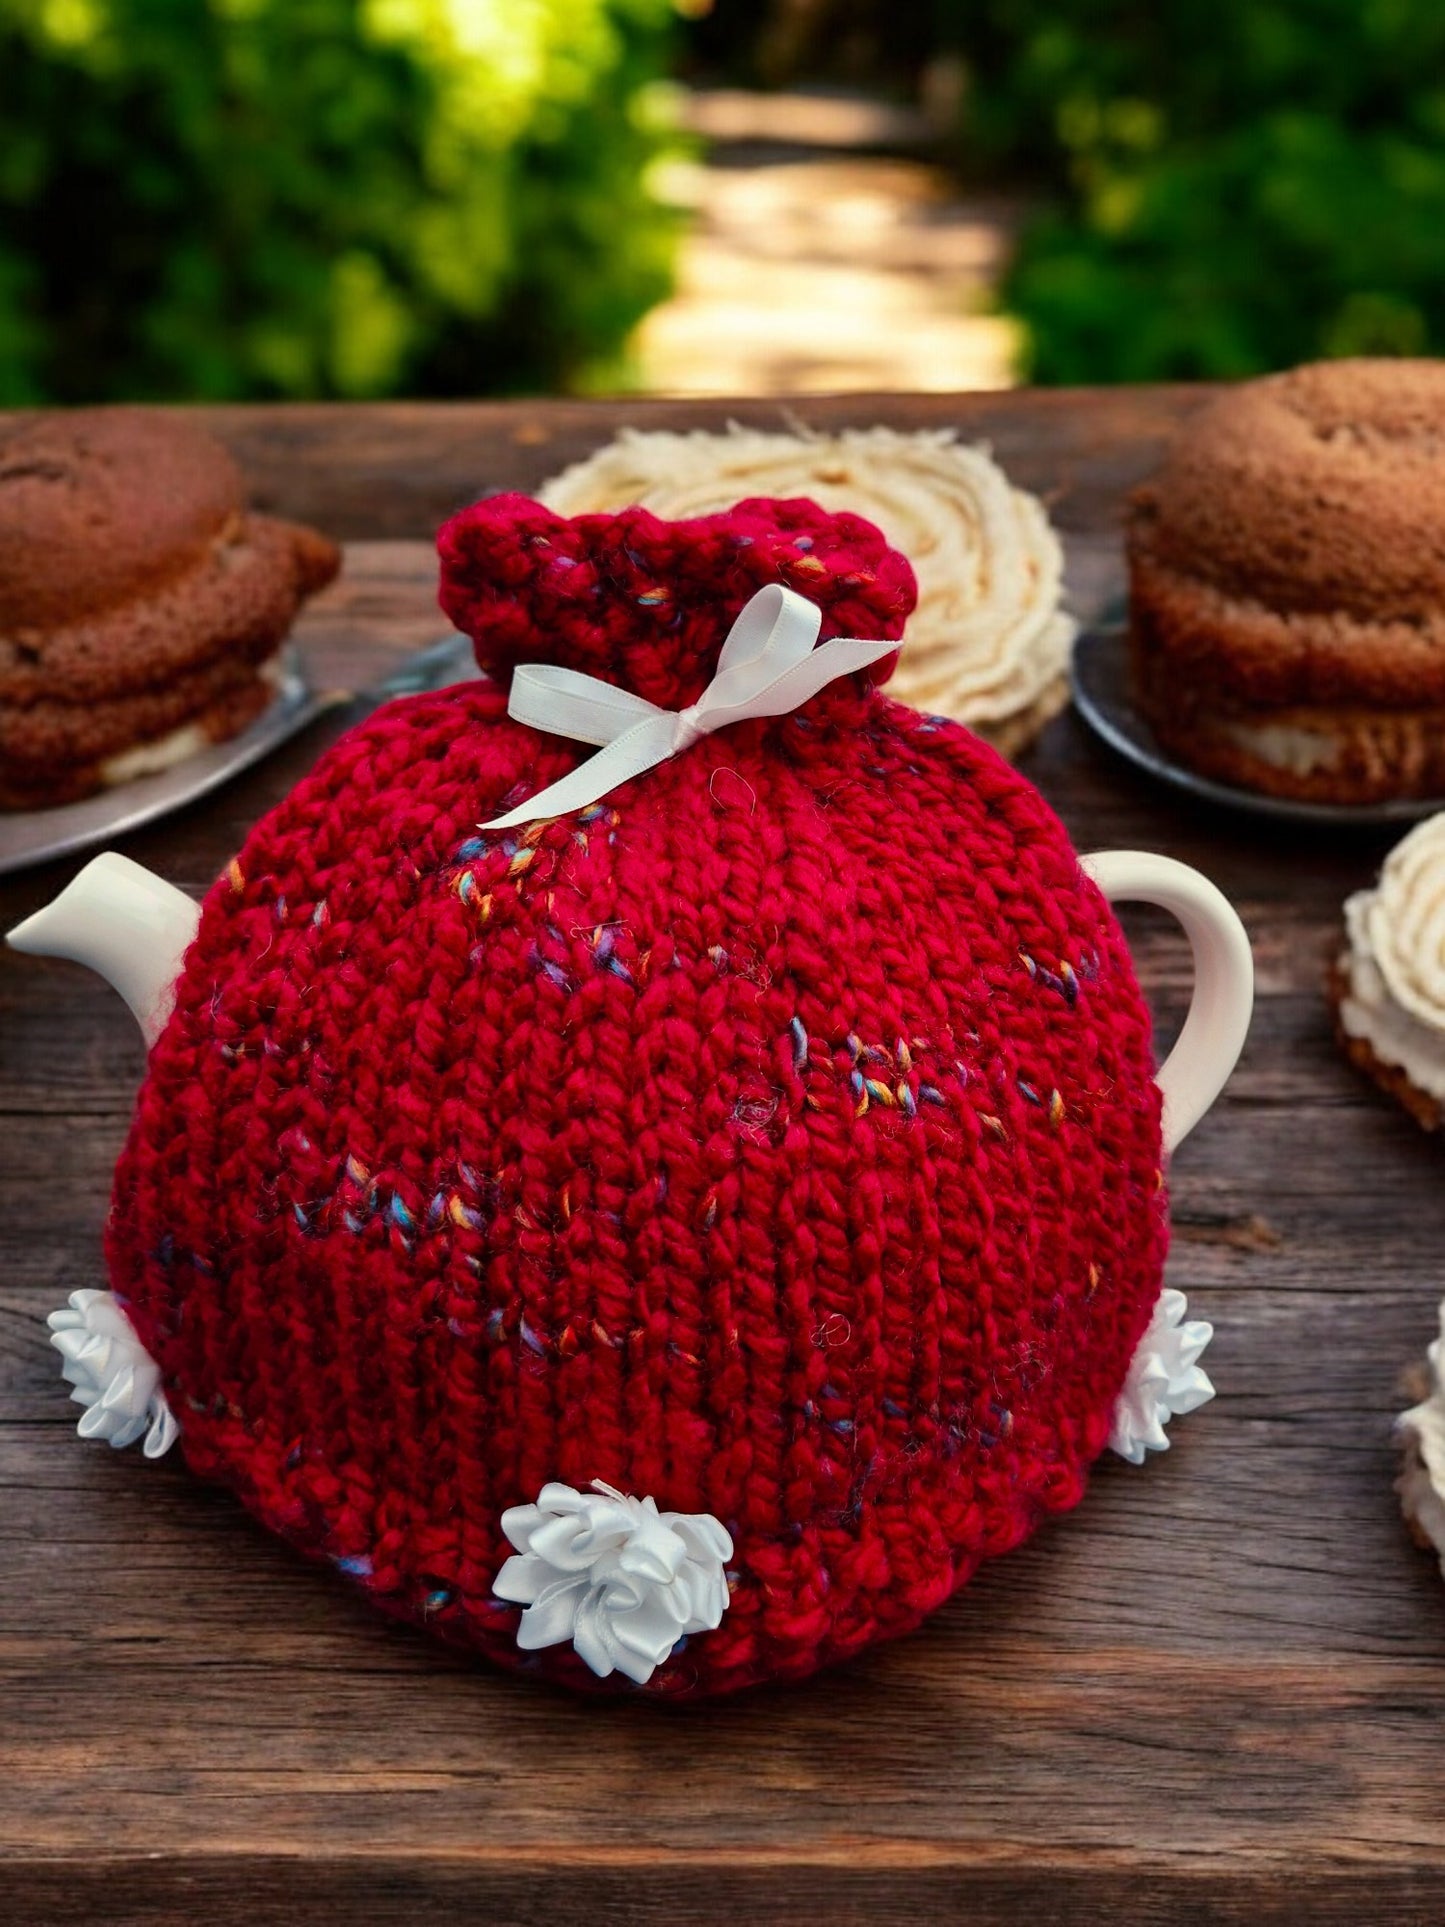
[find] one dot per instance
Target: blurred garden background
(224, 199)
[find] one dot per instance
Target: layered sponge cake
(1287, 584)
(142, 608)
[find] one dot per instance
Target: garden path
(825, 256)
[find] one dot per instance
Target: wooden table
(1215, 1692)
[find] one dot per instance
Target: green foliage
(1230, 187)
(231, 198)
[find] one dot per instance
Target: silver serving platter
(1103, 698)
(38, 836)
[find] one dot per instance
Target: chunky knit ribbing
(777, 1138)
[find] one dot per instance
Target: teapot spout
(125, 923)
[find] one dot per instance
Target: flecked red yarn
(777, 1138)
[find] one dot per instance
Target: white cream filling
(1285, 746)
(988, 637)
(148, 759)
(164, 752)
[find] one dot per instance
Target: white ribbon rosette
(621, 1580)
(114, 1377)
(1165, 1380)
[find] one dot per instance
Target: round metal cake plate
(37, 836)
(41, 835)
(1100, 676)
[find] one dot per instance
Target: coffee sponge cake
(142, 607)
(1287, 584)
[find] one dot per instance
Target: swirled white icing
(623, 1581)
(1165, 1380)
(112, 1374)
(1421, 1432)
(1394, 966)
(987, 641)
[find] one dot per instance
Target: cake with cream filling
(1287, 584)
(143, 609)
(1387, 984)
(988, 643)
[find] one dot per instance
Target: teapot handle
(1195, 1071)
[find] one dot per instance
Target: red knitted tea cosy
(776, 1138)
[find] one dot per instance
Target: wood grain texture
(1214, 1693)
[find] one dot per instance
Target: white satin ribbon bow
(768, 667)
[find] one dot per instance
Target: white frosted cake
(1388, 982)
(988, 643)
(1421, 1432)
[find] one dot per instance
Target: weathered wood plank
(1213, 1693)
(356, 470)
(843, 1886)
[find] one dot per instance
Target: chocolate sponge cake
(1287, 584)
(142, 607)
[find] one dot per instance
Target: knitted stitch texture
(777, 1138)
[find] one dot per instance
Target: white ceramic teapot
(133, 928)
(638, 1200)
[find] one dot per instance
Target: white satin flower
(113, 1375)
(623, 1581)
(1164, 1382)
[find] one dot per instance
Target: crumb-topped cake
(988, 642)
(142, 607)
(1287, 584)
